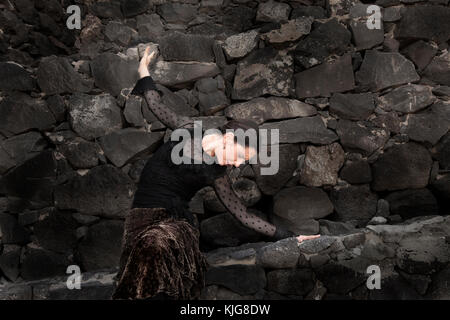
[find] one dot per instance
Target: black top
(171, 186)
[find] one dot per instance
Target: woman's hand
(147, 58)
(303, 238)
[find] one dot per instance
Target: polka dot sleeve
(167, 116)
(230, 200)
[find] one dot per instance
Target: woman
(160, 254)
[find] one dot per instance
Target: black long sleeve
(147, 88)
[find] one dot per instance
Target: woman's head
(236, 143)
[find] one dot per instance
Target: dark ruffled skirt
(160, 258)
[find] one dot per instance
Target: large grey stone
(241, 279)
(390, 173)
(15, 77)
(407, 99)
(300, 203)
(324, 40)
(263, 71)
(321, 165)
(103, 191)
(123, 145)
(326, 78)
(239, 45)
(56, 75)
(270, 184)
(429, 125)
(356, 137)
(412, 203)
(94, 116)
(272, 108)
(112, 72)
(290, 31)
(20, 113)
(290, 281)
(425, 22)
(308, 129)
(273, 11)
(101, 248)
(354, 202)
(438, 70)
(180, 74)
(381, 70)
(178, 46)
(357, 106)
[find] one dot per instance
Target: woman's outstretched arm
(146, 87)
(230, 200)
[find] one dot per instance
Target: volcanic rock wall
(363, 116)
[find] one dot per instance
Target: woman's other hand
(146, 60)
(303, 238)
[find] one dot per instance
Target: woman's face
(226, 150)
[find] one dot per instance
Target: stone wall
(363, 116)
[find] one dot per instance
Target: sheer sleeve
(230, 200)
(147, 88)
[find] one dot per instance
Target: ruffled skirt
(160, 258)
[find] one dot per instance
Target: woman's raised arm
(146, 87)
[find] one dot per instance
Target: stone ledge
(413, 258)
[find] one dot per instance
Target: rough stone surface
(264, 71)
(324, 79)
(387, 170)
(381, 70)
(321, 165)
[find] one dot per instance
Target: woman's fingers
(303, 238)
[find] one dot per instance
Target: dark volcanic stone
(19, 113)
(421, 53)
(123, 145)
(9, 261)
(328, 38)
(309, 129)
(26, 182)
(402, 166)
(299, 203)
(338, 278)
(329, 77)
(104, 191)
(113, 73)
(263, 71)
(40, 263)
(358, 138)
(425, 22)
(271, 183)
(56, 75)
(14, 77)
(55, 231)
(407, 99)
(429, 125)
(290, 281)
(381, 70)
(12, 232)
(438, 70)
(242, 279)
(131, 8)
(101, 248)
(354, 202)
(186, 47)
(352, 106)
(356, 172)
(441, 152)
(80, 153)
(94, 116)
(412, 203)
